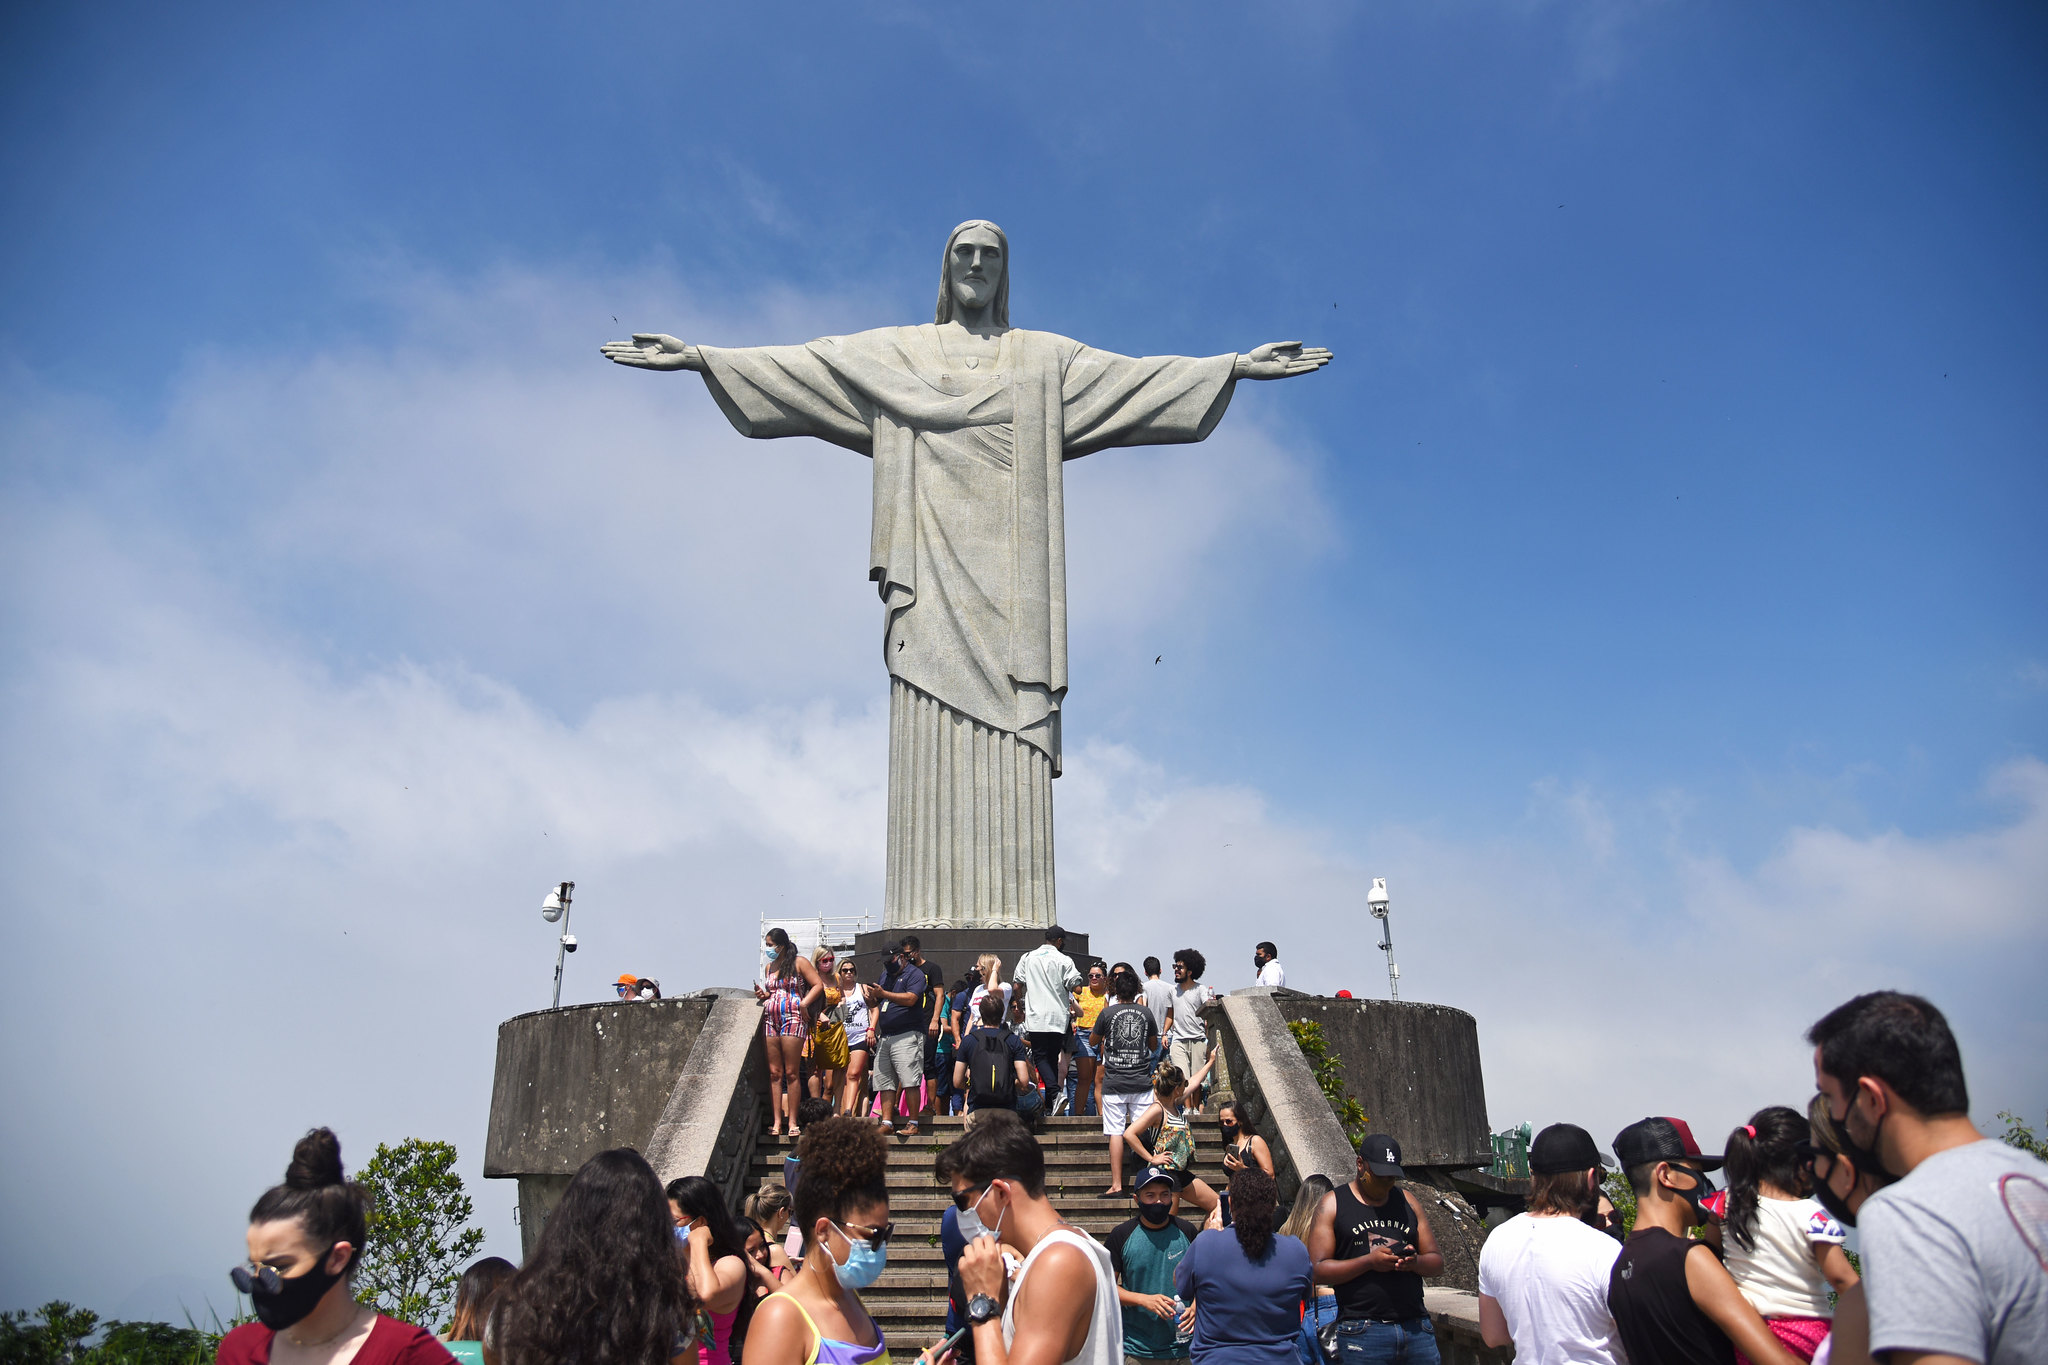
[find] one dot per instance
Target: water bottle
(1181, 1335)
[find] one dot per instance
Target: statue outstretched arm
(1279, 360)
(653, 351)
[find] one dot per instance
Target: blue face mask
(863, 1265)
(769, 952)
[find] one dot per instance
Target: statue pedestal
(955, 950)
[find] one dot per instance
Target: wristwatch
(981, 1308)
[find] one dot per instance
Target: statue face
(976, 269)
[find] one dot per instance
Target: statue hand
(1282, 360)
(653, 351)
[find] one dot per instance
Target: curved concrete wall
(1414, 1067)
(573, 1082)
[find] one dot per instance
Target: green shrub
(1329, 1074)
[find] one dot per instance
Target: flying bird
(1157, 658)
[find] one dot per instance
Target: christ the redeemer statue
(968, 421)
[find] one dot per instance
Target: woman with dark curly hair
(1247, 1283)
(305, 1241)
(842, 1206)
(604, 1285)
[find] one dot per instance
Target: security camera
(569, 942)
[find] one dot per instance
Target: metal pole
(1393, 972)
(561, 951)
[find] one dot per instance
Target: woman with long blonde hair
(826, 1048)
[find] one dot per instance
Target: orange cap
(628, 979)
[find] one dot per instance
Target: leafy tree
(2021, 1135)
(154, 1343)
(1329, 1074)
(1622, 1195)
(419, 1239)
(55, 1336)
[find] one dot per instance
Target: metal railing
(836, 932)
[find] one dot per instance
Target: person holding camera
(1372, 1241)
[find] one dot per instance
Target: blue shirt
(904, 1018)
(1245, 1311)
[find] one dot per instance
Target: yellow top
(1091, 1003)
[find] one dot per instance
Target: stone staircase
(910, 1300)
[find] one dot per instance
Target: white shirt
(1273, 974)
(1779, 1275)
(1549, 1276)
(1048, 977)
(973, 1019)
(1104, 1344)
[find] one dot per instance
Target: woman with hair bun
(842, 1206)
(604, 1285)
(305, 1241)
(1782, 1248)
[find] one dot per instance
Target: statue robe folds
(969, 555)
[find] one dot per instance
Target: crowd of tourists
(626, 1271)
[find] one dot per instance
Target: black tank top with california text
(1377, 1295)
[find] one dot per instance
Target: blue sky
(1652, 589)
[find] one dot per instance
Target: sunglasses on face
(249, 1278)
(624, 989)
(876, 1238)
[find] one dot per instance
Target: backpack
(991, 1072)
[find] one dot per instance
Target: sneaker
(1059, 1106)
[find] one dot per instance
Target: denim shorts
(1411, 1341)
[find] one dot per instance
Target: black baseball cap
(1563, 1147)
(1651, 1140)
(1152, 1175)
(1381, 1155)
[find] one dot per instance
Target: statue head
(975, 272)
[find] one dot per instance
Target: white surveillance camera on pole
(556, 908)
(1376, 901)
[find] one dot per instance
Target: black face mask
(1838, 1208)
(1229, 1130)
(1697, 1195)
(1865, 1159)
(1155, 1215)
(295, 1296)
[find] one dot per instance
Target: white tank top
(1105, 1343)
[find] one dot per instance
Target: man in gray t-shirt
(1946, 1261)
(1955, 1254)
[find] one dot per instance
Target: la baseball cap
(1563, 1147)
(1381, 1155)
(1153, 1175)
(1660, 1139)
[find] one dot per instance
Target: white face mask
(646, 995)
(970, 1222)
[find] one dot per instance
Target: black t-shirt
(1376, 1295)
(1127, 1031)
(1653, 1308)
